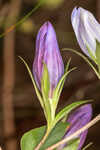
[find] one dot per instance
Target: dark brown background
(25, 113)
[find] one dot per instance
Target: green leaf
(85, 58)
(32, 138)
(72, 145)
(64, 112)
(56, 135)
(98, 54)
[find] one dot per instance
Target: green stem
(43, 140)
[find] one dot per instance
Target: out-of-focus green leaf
(27, 27)
(51, 4)
(14, 26)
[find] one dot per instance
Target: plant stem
(43, 140)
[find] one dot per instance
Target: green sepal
(45, 81)
(72, 145)
(85, 58)
(65, 111)
(32, 138)
(98, 54)
(45, 89)
(59, 87)
(91, 55)
(33, 81)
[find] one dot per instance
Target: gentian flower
(47, 51)
(87, 31)
(79, 118)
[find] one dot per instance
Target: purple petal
(79, 118)
(47, 51)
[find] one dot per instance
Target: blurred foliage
(27, 27)
(52, 4)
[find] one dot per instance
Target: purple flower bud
(87, 30)
(79, 118)
(47, 51)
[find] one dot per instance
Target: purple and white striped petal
(86, 28)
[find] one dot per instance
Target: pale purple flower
(79, 118)
(87, 30)
(47, 51)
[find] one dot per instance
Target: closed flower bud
(47, 51)
(87, 31)
(79, 118)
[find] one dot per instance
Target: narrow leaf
(64, 112)
(33, 81)
(14, 26)
(85, 58)
(59, 87)
(62, 85)
(87, 146)
(67, 66)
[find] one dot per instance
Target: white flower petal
(86, 28)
